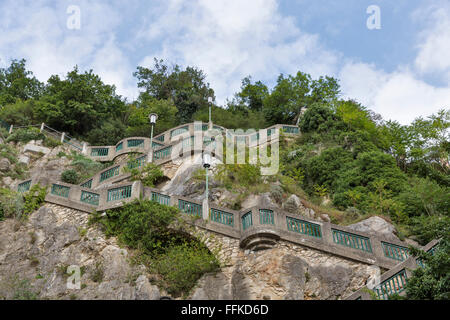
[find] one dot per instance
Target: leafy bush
(432, 282)
(70, 176)
(51, 143)
(182, 265)
(34, 198)
(84, 166)
(240, 175)
(25, 135)
(11, 203)
(144, 225)
(148, 175)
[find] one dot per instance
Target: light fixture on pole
(206, 165)
(152, 117)
(210, 101)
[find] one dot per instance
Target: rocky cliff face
(287, 271)
(34, 257)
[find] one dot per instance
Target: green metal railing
(137, 163)
(135, 143)
(4, 124)
(162, 153)
(292, 130)
(160, 138)
(201, 127)
(352, 240)
(119, 193)
(87, 184)
(222, 217)
(394, 285)
(304, 227)
(247, 220)
(420, 263)
(179, 131)
(266, 216)
(160, 198)
(99, 152)
(61, 191)
(190, 208)
(119, 146)
(90, 198)
(188, 142)
(24, 186)
(156, 145)
(395, 252)
(109, 173)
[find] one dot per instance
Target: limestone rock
(292, 204)
(376, 226)
(5, 165)
(30, 147)
(24, 159)
(146, 291)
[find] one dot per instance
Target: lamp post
(153, 117)
(206, 165)
(210, 101)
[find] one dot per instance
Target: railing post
(11, 129)
(62, 137)
(205, 209)
(42, 127)
(84, 151)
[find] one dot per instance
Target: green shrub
(25, 134)
(51, 143)
(34, 198)
(182, 265)
(84, 166)
(70, 176)
(11, 203)
(432, 282)
(148, 175)
(24, 291)
(144, 225)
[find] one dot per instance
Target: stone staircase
(257, 228)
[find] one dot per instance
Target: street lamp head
(206, 160)
(210, 100)
(153, 117)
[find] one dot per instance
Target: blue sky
(401, 71)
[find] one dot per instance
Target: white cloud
(398, 95)
(39, 34)
(232, 39)
(434, 46)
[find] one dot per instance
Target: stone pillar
(42, 127)
(62, 137)
(11, 129)
(84, 151)
(205, 209)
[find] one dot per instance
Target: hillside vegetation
(348, 162)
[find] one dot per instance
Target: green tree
(137, 116)
(186, 88)
(432, 282)
(252, 95)
(18, 83)
(293, 93)
(78, 103)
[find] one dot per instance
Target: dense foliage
(149, 228)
